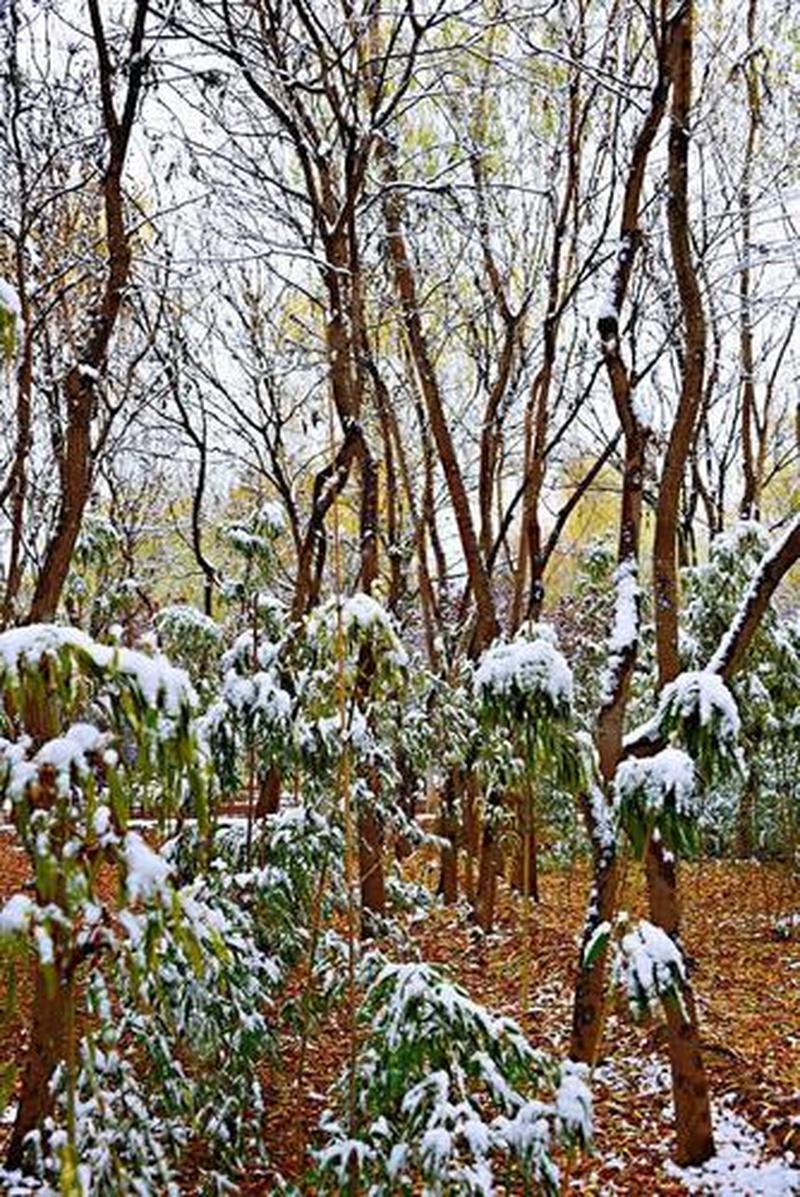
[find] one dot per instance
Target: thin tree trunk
(406, 288)
(448, 830)
(695, 1139)
(588, 1004)
(590, 984)
(80, 383)
(46, 1049)
(370, 862)
(527, 838)
(488, 871)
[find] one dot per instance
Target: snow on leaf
(648, 966)
(16, 915)
(526, 666)
(669, 775)
(147, 870)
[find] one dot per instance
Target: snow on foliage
(159, 682)
(449, 1095)
(703, 696)
(526, 667)
(360, 617)
(259, 695)
(647, 966)
(147, 871)
(182, 618)
(16, 915)
(667, 776)
(271, 516)
(699, 711)
(71, 755)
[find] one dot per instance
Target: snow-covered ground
(741, 1167)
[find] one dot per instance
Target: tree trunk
(80, 383)
(269, 792)
(526, 838)
(47, 1049)
(488, 870)
(370, 862)
(589, 999)
(406, 288)
(448, 830)
(695, 1139)
(472, 838)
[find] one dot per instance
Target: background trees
(308, 305)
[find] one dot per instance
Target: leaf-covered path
(748, 989)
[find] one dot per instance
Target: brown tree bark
(370, 864)
(406, 289)
(269, 792)
(15, 489)
(526, 844)
(590, 982)
(693, 1130)
(448, 830)
(53, 999)
(46, 1049)
(489, 869)
(695, 1140)
(752, 457)
(681, 439)
(80, 384)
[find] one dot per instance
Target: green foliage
(9, 318)
(758, 807)
(448, 1096)
(659, 793)
(191, 639)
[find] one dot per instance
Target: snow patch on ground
(740, 1167)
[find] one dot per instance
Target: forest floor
(747, 983)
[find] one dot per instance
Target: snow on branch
(777, 562)
(625, 629)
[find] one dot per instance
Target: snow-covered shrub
(346, 630)
(253, 541)
(647, 966)
(353, 682)
(529, 747)
(85, 731)
(699, 711)
(662, 792)
(183, 967)
(249, 728)
(191, 639)
(525, 689)
(200, 1017)
(448, 1096)
(100, 594)
(757, 810)
(178, 1008)
(658, 792)
(254, 537)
